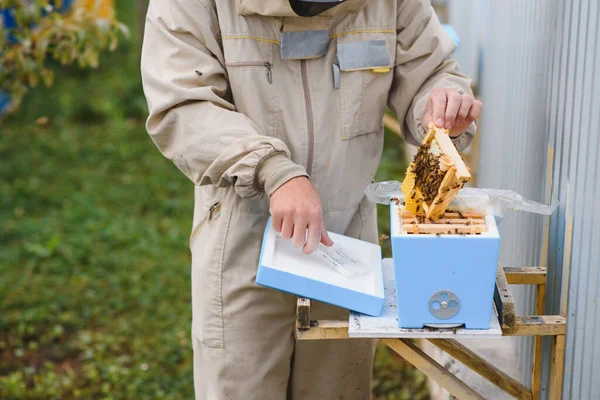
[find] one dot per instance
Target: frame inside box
(464, 223)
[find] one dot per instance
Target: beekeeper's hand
(449, 109)
(296, 207)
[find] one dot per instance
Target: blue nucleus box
(444, 280)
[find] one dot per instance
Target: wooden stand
(511, 325)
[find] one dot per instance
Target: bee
(418, 208)
(461, 215)
(438, 234)
(439, 201)
(412, 196)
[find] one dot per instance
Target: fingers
(465, 107)
(287, 228)
(299, 237)
(314, 235)
(427, 114)
(325, 239)
(454, 104)
(449, 109)
(296, 208)
(297, 232)
(277, 223)
(475, 111)
(438, 100)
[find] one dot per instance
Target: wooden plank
(538, 325)
(557, 368)
(549, 179)
(536, 358)
(302, 313)
(466, 221)
(447, 214)
(504, 300)
(525, 276)
(444, 195)
(391, 123)
(450, 229)
(414, 355)
(324, 329)
(447, 147)
(445, 200)
(483, 368)
(564, 292)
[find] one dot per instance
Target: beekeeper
(274, 107)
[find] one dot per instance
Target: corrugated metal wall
(540, 84)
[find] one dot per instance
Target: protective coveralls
(245, 95)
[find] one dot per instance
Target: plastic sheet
(469, 199)
(382, 192)
(339, 260)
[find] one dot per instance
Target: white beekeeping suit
(245, 95)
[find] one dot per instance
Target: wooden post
(302, 313)
(536, 361)
(504, 300)
(556, 368)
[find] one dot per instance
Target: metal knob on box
(444, 304)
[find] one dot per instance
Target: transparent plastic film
(470, 199)
(338, 259)
(383, 192)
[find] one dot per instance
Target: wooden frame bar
(526, 276)
(302, 314)
(324, 329)
(538, 325)
(505, 303)
(557, 367)
(483, 368)
(512, 325)
(420, 360)
(536, 359)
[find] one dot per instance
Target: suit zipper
(211, 212)
(267, 65)
(309, 117)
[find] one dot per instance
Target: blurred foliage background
(94, 225)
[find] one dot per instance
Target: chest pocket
(254, 84)
(363, 73)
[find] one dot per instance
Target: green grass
(94, 263)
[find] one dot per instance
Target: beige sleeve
(423, 51)
(193, 121)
